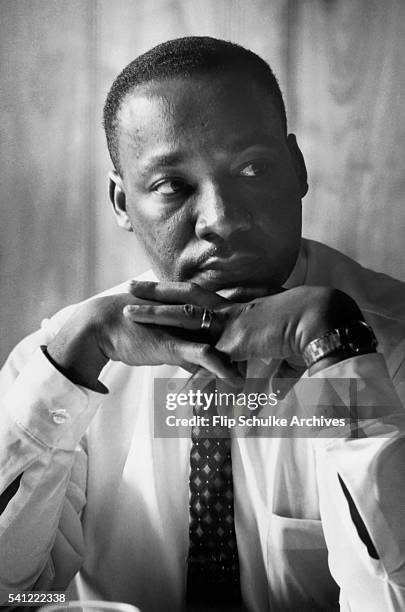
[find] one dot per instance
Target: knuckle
(151, 286)
(172, 349)
(249, 306)
(194, 288)
(205, 351)
(147, 309)
(189, 310)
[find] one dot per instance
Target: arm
(44, 415)
(362, 490)
(361, 480)
(42, 456)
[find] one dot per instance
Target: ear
(117, 199)
(299, 163)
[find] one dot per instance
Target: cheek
(280, 217)
(163, 237)
(280, 228)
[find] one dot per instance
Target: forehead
(207, 112)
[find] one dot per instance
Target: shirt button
(59, 416)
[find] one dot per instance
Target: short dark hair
(189, 56)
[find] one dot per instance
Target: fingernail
(136, 284)
(131, 308)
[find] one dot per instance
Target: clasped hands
(272, 325)
(160, 323)
(238, 331)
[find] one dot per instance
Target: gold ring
(207, 318)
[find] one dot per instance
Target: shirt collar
(299, 271)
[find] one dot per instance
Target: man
(211, 183)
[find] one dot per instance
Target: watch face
(360, 337)
(357, 337)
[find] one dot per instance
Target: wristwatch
(355, 338)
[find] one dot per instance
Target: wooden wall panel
(45, 236)
(349, 84)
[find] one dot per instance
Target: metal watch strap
(356, 337)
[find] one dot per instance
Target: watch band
(356, 338)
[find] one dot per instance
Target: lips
(234, 263)
(221, 272)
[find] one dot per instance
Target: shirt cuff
(360, 391)
(48, 407)
(363, 366)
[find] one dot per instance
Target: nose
(221, 214)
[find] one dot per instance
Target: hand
(282, 325)
(103, 329)
(279, 325)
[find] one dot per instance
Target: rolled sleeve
(44, 416)
(47, 407)
(364, 466)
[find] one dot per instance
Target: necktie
(213, 566)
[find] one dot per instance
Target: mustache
(213, 251)
(221, 251)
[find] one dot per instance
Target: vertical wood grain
(350, 87)
(45, 229)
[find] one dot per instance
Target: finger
(177, 293)
(197, 372)
(208, 358)
(247, 294)
(186, 316)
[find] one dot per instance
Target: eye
(169, 187)
(254, 169)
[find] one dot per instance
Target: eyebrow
(166, 159)
(252, 139)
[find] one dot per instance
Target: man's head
(206, 175)
(187, 58)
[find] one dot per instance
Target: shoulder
(380, 297)
(375, 292)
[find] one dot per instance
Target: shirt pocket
(297, 566)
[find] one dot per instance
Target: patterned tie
(213, 566)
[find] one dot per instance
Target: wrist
(330, 309)
(326, 362)
(332, 330)
(75, 352)
(351, 340)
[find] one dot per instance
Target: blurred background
(341, 67)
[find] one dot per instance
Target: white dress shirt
(100, 494)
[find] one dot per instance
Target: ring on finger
(207, 318)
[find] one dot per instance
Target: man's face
(211, 183)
